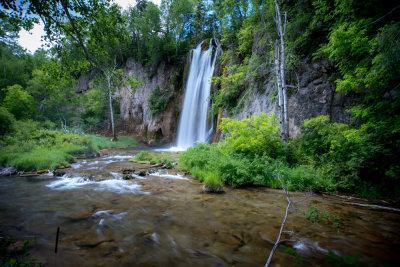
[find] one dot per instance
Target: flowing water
(193, 126)
(165, 219)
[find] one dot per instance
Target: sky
(32, 40)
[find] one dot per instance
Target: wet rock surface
(8, 171)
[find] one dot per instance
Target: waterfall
(193, 127)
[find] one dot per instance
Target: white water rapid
(193, 127)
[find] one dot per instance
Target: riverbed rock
(93, 244)
(8, 171)
(128, 177)
(59, 173)
(142, 173)
(210, 190)
(43, 171)
(127, 171)
(81, 216)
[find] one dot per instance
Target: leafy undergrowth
(251, 154)
(14, 253)
(33, 148)
(146, 157)
(326, 157)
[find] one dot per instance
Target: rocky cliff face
(311, 95)
(136, 117)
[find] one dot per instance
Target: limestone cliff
(311, 94)
(135, 113)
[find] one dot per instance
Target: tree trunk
(280, 91)
(111, 110)
(280, 75)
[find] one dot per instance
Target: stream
(165, 219)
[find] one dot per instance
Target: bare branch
(278, 241)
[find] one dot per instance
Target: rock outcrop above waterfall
(135, 113)
(310, 95)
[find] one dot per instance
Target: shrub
(158, 100)
(7, 122)
(143, 156)
(256, 135)
(34, 148)
(342, 155)
(212, 180)
(13, 254)
(236, 169)
(19, 102)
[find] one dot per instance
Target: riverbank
(33, 148)
(165, 218)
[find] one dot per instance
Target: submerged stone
(59, 173)
(128, 177)
(142, 173)
(210, 189)
(127, 171)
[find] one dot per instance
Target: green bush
(342, 155)
(251, 154)
(143, 156)
(158, 100)
(256, 135)
(12, 254)
(7, 122)
(327, 156)
(32, 147)
(19, 102)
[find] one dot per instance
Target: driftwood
(278, 240)
(373, 206)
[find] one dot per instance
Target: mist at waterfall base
(193, 125)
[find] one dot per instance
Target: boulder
(142, 173)
(8, 171)
(209, 189)
(127, 171)
(59, 173)
(127, 177)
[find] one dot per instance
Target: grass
(145, 157)
(214, 167)
(102, 142)
(32, 148)
(211, 179)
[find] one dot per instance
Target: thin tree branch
(278, 241)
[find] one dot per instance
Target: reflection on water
(165, 220)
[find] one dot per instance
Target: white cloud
(32, 40)
(126, 3)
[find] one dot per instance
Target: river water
(166, 220)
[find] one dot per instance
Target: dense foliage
(327, 156)
(251, 154)
(36, 146)
(158, 100)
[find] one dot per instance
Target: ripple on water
(169, 176)
(119, 157)
(116, 185)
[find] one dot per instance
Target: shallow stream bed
(166, 220)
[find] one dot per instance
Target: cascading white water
(193, 126)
